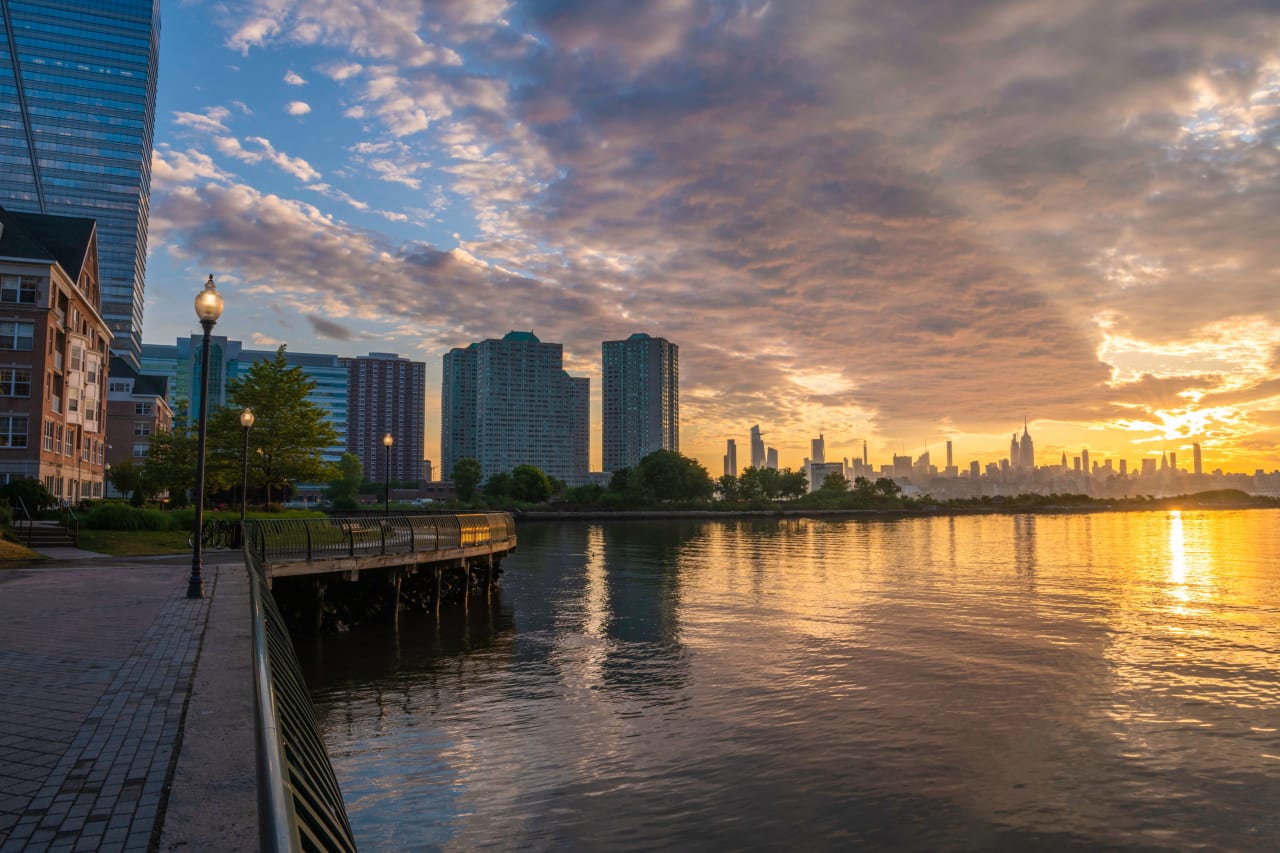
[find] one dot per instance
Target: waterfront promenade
(126, 720)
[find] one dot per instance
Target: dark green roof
(521, 336)
(38, 237)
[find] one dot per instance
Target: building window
(142, 408)
(141, 428)
(69, 446)
(16, 335)
(77, 357)
(15, 382)
(140, 451)
(48, 435)
(13, 430)
(19, 289)
(123, 387)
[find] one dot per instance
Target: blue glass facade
(77, 112)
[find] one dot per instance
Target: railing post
(307, 527)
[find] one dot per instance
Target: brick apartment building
(53, 354)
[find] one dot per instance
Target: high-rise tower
(509, 402)
(1027, 452)
(731, 458)
(758, 457)
(77, 111)
(640, 401)
(386, 395)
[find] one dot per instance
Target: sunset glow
(902, 227)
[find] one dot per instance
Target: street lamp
(208, 310)
(387, 441)
(107, 488)
(246, 423)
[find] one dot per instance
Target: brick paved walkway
(96, 662)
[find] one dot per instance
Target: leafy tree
(466, 476)
(289, 435)
(727, 488)
(668, 475)
(171, 465)
(587, 494)
(32, 493)
(620, 480)
(887, 487)
(498, 487)
(792, 484)
(126, 477)
(835, 484)
(530, 484)
(344, 491)
(759, 484)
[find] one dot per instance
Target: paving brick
(89, 730)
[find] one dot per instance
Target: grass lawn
(134, 543)
(13, 552)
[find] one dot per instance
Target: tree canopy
(289, 435)
(466, 476)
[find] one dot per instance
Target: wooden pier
(353, 568)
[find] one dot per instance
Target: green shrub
(6, 516)
(182, 519)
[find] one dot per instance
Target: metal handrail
(26, 516)
(274, 539)
(70, 522)
(300, 806)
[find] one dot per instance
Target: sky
(903, 223)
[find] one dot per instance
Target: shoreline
(1162, 505)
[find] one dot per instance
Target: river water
(986, 682)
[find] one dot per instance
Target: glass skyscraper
(77, 111)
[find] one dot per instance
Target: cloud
(296, 166)
(212, 120)
(298, 108)
(329, 329)
(905, 218)
(293, 78)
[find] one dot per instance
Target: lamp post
(208, 310)
(107, 488)
(387, 441)
(246, 424)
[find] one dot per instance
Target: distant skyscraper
(771, 458)
(1196, 461)
(386, 394)
(818, 454)
(640, 399)
(1027, 452)
(77, 110)
(509, 402)
(949, 462)
(731, 458)
(758, 458)
(1084, 460)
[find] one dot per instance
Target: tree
(530, 484)
(727, 487)
(759, 484)
(290, 433)
(671, 476)
(466, 476)
(344, 491)
(792, 484)
(498, 487)
(171, 465)
(834, 484)
(126, 477)
(32, 493)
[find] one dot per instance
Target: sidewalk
(97, 658)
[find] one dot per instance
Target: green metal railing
(300, 807)
(274, 539)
